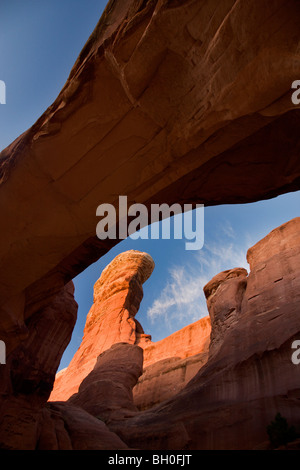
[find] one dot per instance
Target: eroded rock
(66, 427)
(107, 391)
(171, 363)
(117, 296)
(27, 377)
(249, 375)
(168, 102)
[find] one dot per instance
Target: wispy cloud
(227, 229)
(181, 300)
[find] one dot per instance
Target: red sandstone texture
(117, 296)
(190, 340)
(231, 399)
(28, 376)
(107, 391)
(245, 378)
(170, 364)
(111, 320)
(66, 427)
(163, 379)
(167, 102)
(249, 375)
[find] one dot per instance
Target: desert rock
(117, 296)
(167, 102)
(249, 376)
(106, 392)
(171, 363)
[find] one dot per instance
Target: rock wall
(164, 379)
(171, 363)
(106, 392)
(249, 375)
(66, 427)
(167, 364)
(188, 341)
(243, 379)
(167, 102)
(26, 379)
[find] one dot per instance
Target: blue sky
(173, 295)
(39, 43)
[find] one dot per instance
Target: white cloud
(227, 229)
(181, 300)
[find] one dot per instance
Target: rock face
(66, 427)
(107, 391)
(244, 378)
(171, 363)
(168, 102)
(190, 340)
(111, 320)
(28, 376)
(224, 294)
(249, 375)
(27, 421)
(117, 296)
(163, 379)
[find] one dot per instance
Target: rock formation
(117, 296)
(171, 363)
(27, 377)
(188, 341)
(168, 102)
(249, 375)
(245, 378)
(224, 294)
(66, 427)
(111, 320)
(107, 391)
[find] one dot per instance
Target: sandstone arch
(168, 102)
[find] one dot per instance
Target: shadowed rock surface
(28, 376)
(66, 427)
(168, 102)
(107, 391)
(171, 363)
(111, 320)
(249, 375)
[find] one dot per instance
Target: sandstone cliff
(169, 364)
(106, 392)
(249, 375)
(167, 102)
(245, 378)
